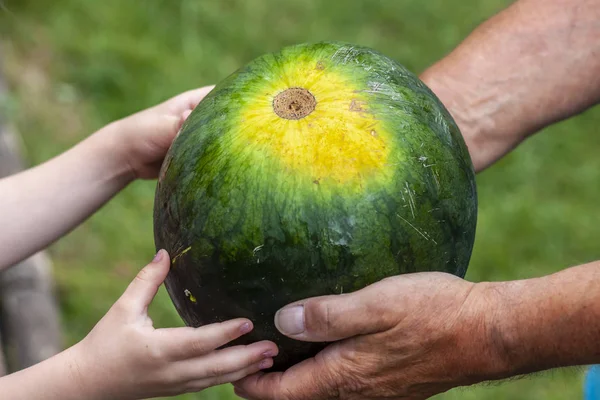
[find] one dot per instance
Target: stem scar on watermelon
(294, 103)
(315, 170)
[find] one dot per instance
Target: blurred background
(72, 66)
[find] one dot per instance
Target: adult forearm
(531, 65)
(41, 204)
(547, 322)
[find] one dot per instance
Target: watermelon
(315, 170)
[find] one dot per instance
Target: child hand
(142, 139)
(125, 357)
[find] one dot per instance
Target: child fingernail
(264, 364)
(246, 327)
(269, 354)
(158, 256)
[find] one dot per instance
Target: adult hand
(416, 335)
(407, 337)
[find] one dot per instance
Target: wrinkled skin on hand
(406, 337)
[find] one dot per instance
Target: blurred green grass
(75, 65)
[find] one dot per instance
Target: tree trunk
(30, 319)
(28, 314)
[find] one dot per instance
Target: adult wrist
(453, 97)
(532, 325)
(483, 118)
(514, 330)
(480, 352)
(475, 127)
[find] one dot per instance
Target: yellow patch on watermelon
(340, 140)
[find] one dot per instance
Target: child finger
(226, 361)
(141, 291)
(182, 119)
(186, 100)
(188, 342)
(200, 384)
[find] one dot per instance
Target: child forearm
(39, 205)
(54, 379)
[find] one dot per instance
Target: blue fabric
(591, 389)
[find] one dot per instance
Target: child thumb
(143, 288)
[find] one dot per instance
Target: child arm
(39, 205)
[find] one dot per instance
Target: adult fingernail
(158, 256)
(290, 321)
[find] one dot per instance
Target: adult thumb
(143, 288)
(336, 317)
